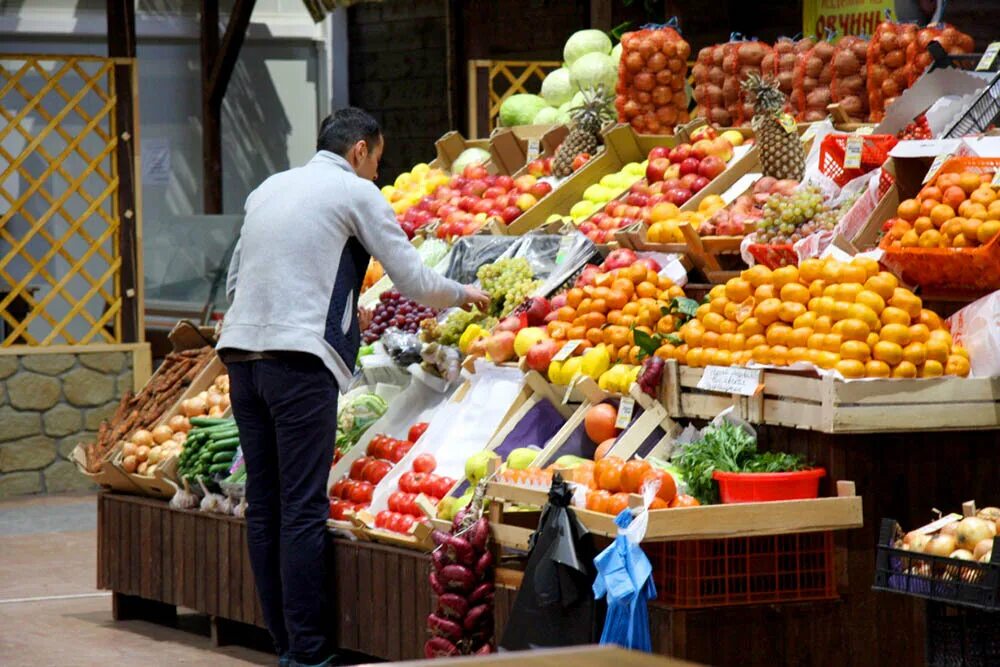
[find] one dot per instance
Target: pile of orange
(614, 479)
(606, 311)
(851, 317)
(954, 210)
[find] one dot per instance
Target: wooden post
(217, 63)
(121, 44)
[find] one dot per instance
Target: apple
(619, 259)
(474, 171)
(650, 263)
(619, 209)
(689, 166)
(558, 301)
(586, 227)
(641, 187)
(483, 206)
(500, 346)
(721, 148)
(526, 201)
(476, 188)
(493, 192)
(680, 153)
(510, 213)
(711, 166)
(656, 169)
(701, 148)
(468, 203)
(658, 152)
(580, 160)
(673, 172)
(634, 199)
(698, 183)
(540, 355)
(525, 183)
(703, 132)
(678, 196)
(505, 182)
(540, 189)
(735, 137)
(608, 224)
(536, 168)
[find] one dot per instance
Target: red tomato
(409, 505)
(349, 485)
(429, 485)
(394, 499)
(424, 463)
(411, 482)
(440, 487)
(337, 490)
(358, 468)
(416, 431)
(393, 522)
(374, 444)
(616, 503)
(333, 509)
(405, 523)
(362, 492)
(338, 508)
(668, 487)
(375, 471)
(633, 473)
(381, 518)
(399, 450)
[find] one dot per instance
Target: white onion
(142, 437)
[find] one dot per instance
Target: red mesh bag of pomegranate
(813, 76)
(650, 92)
(848, 88)
(740, 59)
(951, 39)
(888, 71)
(709, 79)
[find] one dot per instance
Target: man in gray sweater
(290, 340)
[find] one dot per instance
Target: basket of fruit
(948, 236)
(874, 152)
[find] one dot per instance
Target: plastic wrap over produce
(431, 251)
(471, 252)
(977, 328)
(554, 258)
(459, 428)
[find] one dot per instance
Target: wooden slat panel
(409, 632)
(238, 564)
(214, 574)
(394, 588)
(225, 569)
(135, 550)
(153, 576)
(366, 615)
(167, 558)
(347, 568)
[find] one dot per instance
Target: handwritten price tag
(625, 410)
(938, 161)
(985, 63)
(566, 350)
(852, 152)
(534, 149)
(730, 380)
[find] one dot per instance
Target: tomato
(684, 500)
(349, 484)
(608, 473)
(399, 450)
(633, 473)
(424, 463)
(358, 468)
(338, 509)
(409, 505)
(416, 431)
(334, 504)
(394, 522)
(599, 422)
(381, 518)
(429, 485)
(374, 444)
(405, 523)
(362, 493)
(616, 503)
(376, 470)
(668, 486)
(411, 482)
(394, 499)
(443, 487)
(597, 501)
(337, 490)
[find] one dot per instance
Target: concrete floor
(51, 614)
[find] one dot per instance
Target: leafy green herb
(647, 344)
(728, 448)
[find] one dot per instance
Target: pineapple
(588, 119)
(781, 152)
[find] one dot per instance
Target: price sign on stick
(534, 149)
(566, 350)
(938, 161)
(730, 380)
(852, 152)
(985, 63)
(625, 410)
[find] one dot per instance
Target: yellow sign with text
(845, 17)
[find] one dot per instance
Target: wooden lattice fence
(493, 81)
(60, 205)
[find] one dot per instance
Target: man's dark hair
(346, 127)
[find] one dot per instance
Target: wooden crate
(701, 252)
(806, 401)
(782, 517)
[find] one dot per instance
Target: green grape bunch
(790, 218)
(509, 282)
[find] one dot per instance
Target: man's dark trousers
(286, 410)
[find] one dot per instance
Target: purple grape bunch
(395, 310)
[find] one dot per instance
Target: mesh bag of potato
(813, 75)
(740, 59)
(650, 93)
(848, 85)
(709, 79)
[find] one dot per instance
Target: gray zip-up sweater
(297, 270)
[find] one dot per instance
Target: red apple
(634, 199)
(467, 203)
(483, 206)
(703, 132)
(536, 168)
(658, 152)
(505, 182)
(587, 276)
(698, 183)
(680, 153)
(711, 166)
(689, 166)
(687, 181)
(475, 171)
(701, 148)
(510, 213)
(641, 187)
(650, 263)
(586, 227)
(656, 169)
(525, 183)
(673, 172)
(678, 196)
(558, 301)
(493, 192)
(608, 224)
(540, 189)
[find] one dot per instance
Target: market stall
(764, 332)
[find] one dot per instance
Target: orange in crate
(743, 570)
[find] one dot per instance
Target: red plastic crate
(773, 256)
(874, 152)
(743, 570)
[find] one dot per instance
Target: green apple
(477, 464)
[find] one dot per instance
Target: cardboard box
(927, 90)
(451, 145)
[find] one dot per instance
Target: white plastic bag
(977, 328)
(640, 521)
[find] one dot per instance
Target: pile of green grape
(454, 325)
(509, 282)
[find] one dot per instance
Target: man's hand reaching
(365, 317)
(476, 297)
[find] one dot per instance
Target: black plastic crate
(958, 582)
(962, 637)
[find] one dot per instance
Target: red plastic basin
(755, 487)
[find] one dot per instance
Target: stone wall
(48, 404)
